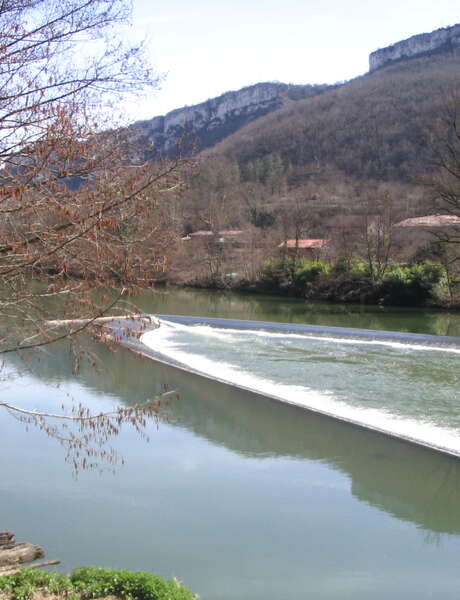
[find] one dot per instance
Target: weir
(418, 338)
(154, 341)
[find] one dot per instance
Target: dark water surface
(237, 495)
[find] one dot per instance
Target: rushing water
(406, 387)
(241, 496)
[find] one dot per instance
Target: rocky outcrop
(193, 128)
(441, 40)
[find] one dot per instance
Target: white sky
(208, 47)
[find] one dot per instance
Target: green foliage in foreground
(93, 582)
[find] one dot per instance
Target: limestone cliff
(193, 128)
(441, 40)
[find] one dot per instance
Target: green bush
(276, 274)
(309, 271)
(360, 268)
(24, 584)
(345, 281)
(294, 276)
(410, 285)
(94, 582)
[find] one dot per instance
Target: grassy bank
(92, 582)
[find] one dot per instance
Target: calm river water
(239, 496)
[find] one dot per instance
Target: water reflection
(261, 307)
(408, 482)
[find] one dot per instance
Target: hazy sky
(207, 47)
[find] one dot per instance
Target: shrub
(23, 585)
(275, 275)
(360, 268)
(400, 285)
(309, 271)
(94, 582)
(410, 285)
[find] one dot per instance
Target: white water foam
(223, 334)
(160, 340)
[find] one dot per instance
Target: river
(238, 495)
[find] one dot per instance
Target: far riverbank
(422, 284)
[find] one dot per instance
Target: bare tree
(445, 185)
(445, 142)
(295, 216)
(379, 241)
(80, 209)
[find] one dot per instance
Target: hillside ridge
(444, 39)
(193, 128)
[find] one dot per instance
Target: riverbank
(421, 284)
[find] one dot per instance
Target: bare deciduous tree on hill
(446, 146)
(446, 190)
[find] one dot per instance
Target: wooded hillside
(374, 127)
(346, 165)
